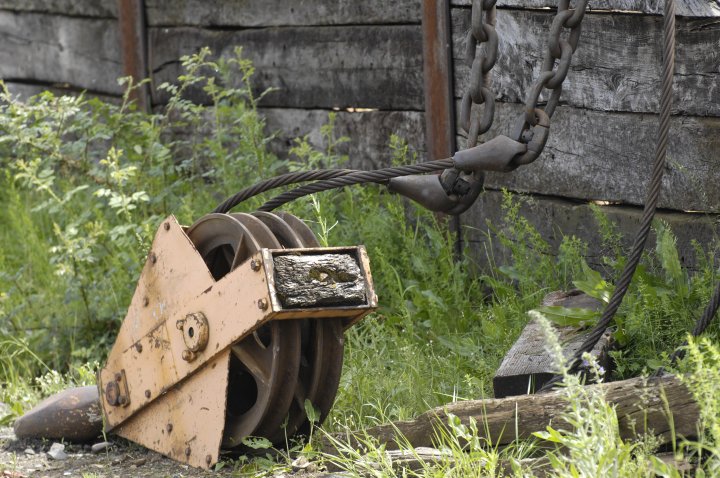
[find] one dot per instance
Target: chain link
(560, 51)
(481, 51)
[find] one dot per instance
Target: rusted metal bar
(438, 86)
(133, 40)
(437, 68)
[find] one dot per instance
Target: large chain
(533, 127)
(481, 48)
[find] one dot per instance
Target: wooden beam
(133, 40)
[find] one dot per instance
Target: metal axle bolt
(255, 265)
(262, 304)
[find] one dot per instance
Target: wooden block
(528, 366)
(316, 280)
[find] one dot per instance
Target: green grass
(85, 184)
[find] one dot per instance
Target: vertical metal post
(438, 86)
(133, 41)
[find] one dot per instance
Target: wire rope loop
(560, 74)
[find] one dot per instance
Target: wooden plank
(437, 69)
(640, 405)
(47, 48)
(617, 64)
(528, 366)
(554, 217)
(684, 8)
(264, 13)
(312, 67)
(315, 280)
(608, 156)
(86, 8)
(368, 133)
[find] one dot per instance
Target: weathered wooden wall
(365, 61)
(602, 137)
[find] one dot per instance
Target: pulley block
(236, 323)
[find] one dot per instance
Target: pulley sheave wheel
(322, 339)
(264, 366)
(284, 363)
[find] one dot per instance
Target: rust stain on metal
(133, 40)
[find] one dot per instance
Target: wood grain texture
(528, 366)
(639, 405)
(48, 48)
(318, 280)
(311, 67)
(554, 217)
(264, 13)
(615, 68)
(608, 156)
(82, 8)
(684, 8)
(368, 132)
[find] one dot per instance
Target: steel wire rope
(653, 195)
(356, 177)
(276, 182)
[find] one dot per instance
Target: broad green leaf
(568, 316)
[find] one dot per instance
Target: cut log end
(303, 281)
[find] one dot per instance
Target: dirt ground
(30, 459)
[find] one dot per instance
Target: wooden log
(82, 52)
(640, 404)
(368, 133)
(312, 67)
(594, 155)
(554, 217)
(686, 8)
(528, 366)
(318, 280)
(266, 13)
(615, 68)
(88, 8)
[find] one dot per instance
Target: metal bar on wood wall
(438, 86)
(437, 69)
(133, 41)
